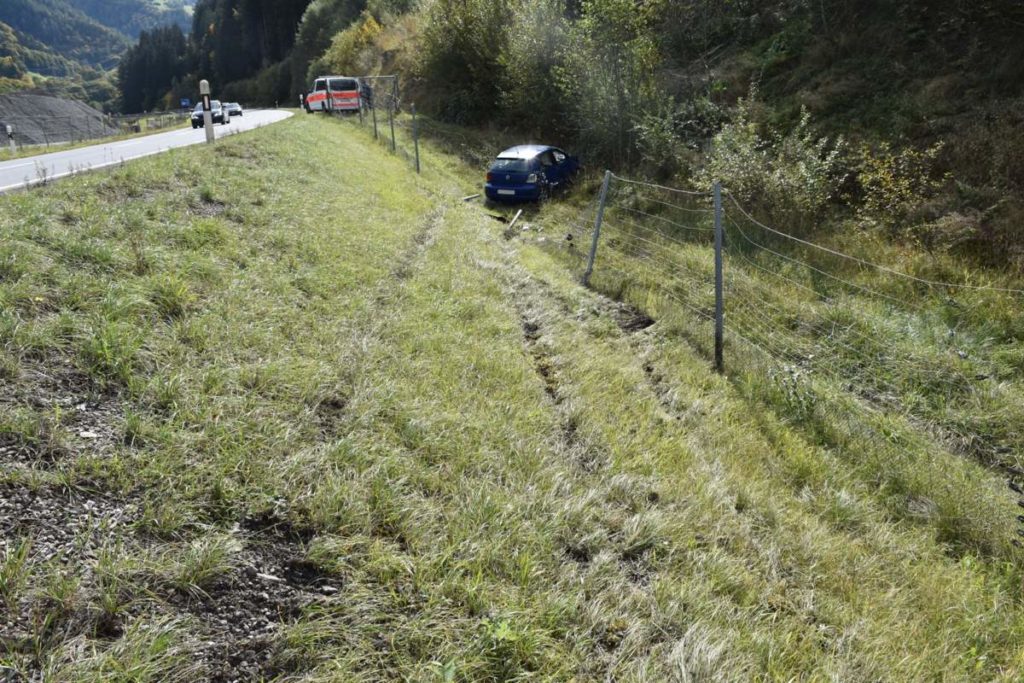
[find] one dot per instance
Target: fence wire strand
(807, 319)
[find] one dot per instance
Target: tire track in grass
(854, 534)
(526, 298)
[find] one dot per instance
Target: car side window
(321, 85)
(559, 156)
(547, 159)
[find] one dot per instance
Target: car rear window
(511, 165)
(344, 84)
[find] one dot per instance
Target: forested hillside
(69, 47)
(65, 31)
(132, 17)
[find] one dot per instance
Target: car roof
(524, 151)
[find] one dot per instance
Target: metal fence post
(391, 111)
(416, 137)
(719, 294)
(597, 228)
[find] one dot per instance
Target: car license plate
(508, 192)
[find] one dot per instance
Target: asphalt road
(20, 173)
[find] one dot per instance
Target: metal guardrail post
(719, 293)
(597, 228)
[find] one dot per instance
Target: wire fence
(381, 111)
(861, 352)
(45, 130)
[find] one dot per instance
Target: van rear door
(344, 93)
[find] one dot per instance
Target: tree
(148, 70)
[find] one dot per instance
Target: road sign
(186, 103)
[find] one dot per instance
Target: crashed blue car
(529, 173)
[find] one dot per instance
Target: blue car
(529, 173)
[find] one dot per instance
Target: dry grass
(434, 454)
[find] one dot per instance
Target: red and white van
(334, 93)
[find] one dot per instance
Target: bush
(789, 177)
(530, 94)
(896, 184)
(346, 55)
(462, 42)
(658, 140)
(608, 71)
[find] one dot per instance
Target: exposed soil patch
(541, 361)
(62, 415)
(269, 525)
(244, 611)
(61, 524)
(630, 319)
(330, 414)
(66, 528)
(208, 208)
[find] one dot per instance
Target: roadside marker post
(204, 90)
(10, 139)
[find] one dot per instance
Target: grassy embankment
(317, 417)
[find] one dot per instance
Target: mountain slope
(64, 30)
(131, 17)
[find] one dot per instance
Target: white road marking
(101, 153)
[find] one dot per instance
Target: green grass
(498, 482)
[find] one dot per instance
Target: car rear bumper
(200, 122)
(500, 193)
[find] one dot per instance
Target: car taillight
(532, 178)
(490, 177)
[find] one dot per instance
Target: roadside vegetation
(318, 419)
